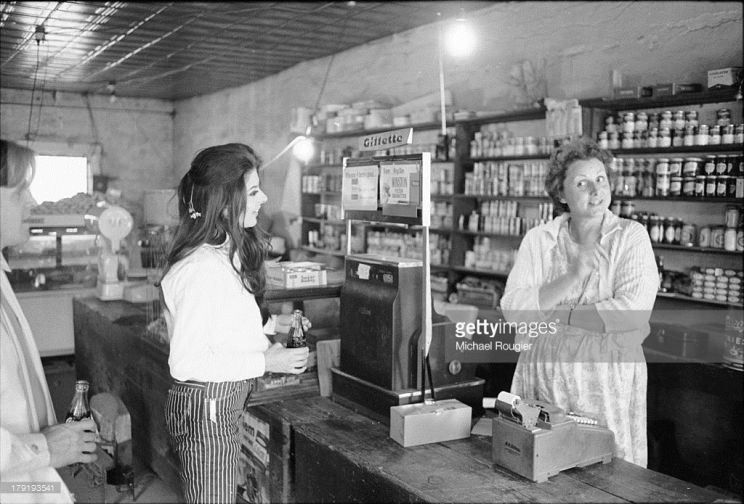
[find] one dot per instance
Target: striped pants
(202, 420)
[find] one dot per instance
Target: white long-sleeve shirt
(25, 406)
(214, 323)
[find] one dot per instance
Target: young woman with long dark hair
(213, 287)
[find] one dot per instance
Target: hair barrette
(192, 211)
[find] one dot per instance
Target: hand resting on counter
(286, 360)
(73, 442)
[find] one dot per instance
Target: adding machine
(381, 317)
(537, 440)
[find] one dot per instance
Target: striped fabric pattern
(202, 420)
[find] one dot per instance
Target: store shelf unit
(700, 210)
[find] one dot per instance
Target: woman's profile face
(586, 189)
(15, 207)
(254, 199)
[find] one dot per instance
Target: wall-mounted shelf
(331, 222)
(682, 297)
(712, 96)
(686, 199)
(525, 157)
(493, 197)
(675, 151)
(704, 250)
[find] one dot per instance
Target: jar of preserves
(704, 237)
(641, 121)
(675, 167)
(691, 118)
(610, 124)
(727, 134)
(628, 122)
(688, 186)
(691, 166)
(678, 138)
(688, 235)
(700, 185)
(711, 182)
(716, 237)
(721, 164)
(679, 119)
(652, 140)
(702, 136)
(666, 120)
(715, 135)
(602, 140)
(709, 168)
(722, 182)
(689, 139)
(626, 140)
(665, 138)
(668, 231)
(655, 228)
(675, 185)
(723, 117)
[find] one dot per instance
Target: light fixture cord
(33, 90)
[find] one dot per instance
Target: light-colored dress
(598, 374)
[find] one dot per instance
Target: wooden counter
(341, 456)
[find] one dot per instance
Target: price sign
(359, 187)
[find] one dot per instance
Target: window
(59, 177)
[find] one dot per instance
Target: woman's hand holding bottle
(286, 360)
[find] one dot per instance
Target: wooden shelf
(686, 199)
(702, 250)
(488, 234)
(332, 222)
(357, 133)
(710, 96)
(322, 165)
(682, 297)
(525, 157)
(322, 193)
(471, 271)
(335, 253)
(493, 197)
(674, 151)
(517, 115)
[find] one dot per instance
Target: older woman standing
(595, 274)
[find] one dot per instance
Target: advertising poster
(359, 187)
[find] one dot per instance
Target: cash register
(380, 326)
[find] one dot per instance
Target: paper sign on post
(400, 184)
(359, 187)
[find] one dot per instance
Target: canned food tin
(731, 217)
(710, 165)
(710, 185)
(729, 239)
(700, 186)
(716, 237)
(675, 166)
(688, 186)
(704, 237)
(691, 166)
(675, 186)
(662, 166)
(722, 186)
(688, 235)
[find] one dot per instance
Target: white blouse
(214, 323)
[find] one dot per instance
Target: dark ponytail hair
(211, 203)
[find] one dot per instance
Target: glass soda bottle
(296, 338)
(79, 406)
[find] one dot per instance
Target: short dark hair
(17, 165)
(561, 159)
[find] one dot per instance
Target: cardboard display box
(422, 423)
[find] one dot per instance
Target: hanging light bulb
(303, 149)
(459, 38)
(111, 88)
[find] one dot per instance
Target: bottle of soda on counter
(79, 406)
(296, 337)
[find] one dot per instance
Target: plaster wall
(135, 135)
(573, 46)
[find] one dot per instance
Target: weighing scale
(114, 224)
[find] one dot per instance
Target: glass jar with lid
(665, 137)
(690, 133)
(702, 136)
(679, 119)
(628, 122)
(691, 118)
(678, 137)
(666, 120)
(641, 121)
(715, 135)
(727, 134)
(723, 117)
(652, 140)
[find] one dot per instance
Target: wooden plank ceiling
(176, 50)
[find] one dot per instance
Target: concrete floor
(148, 489)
